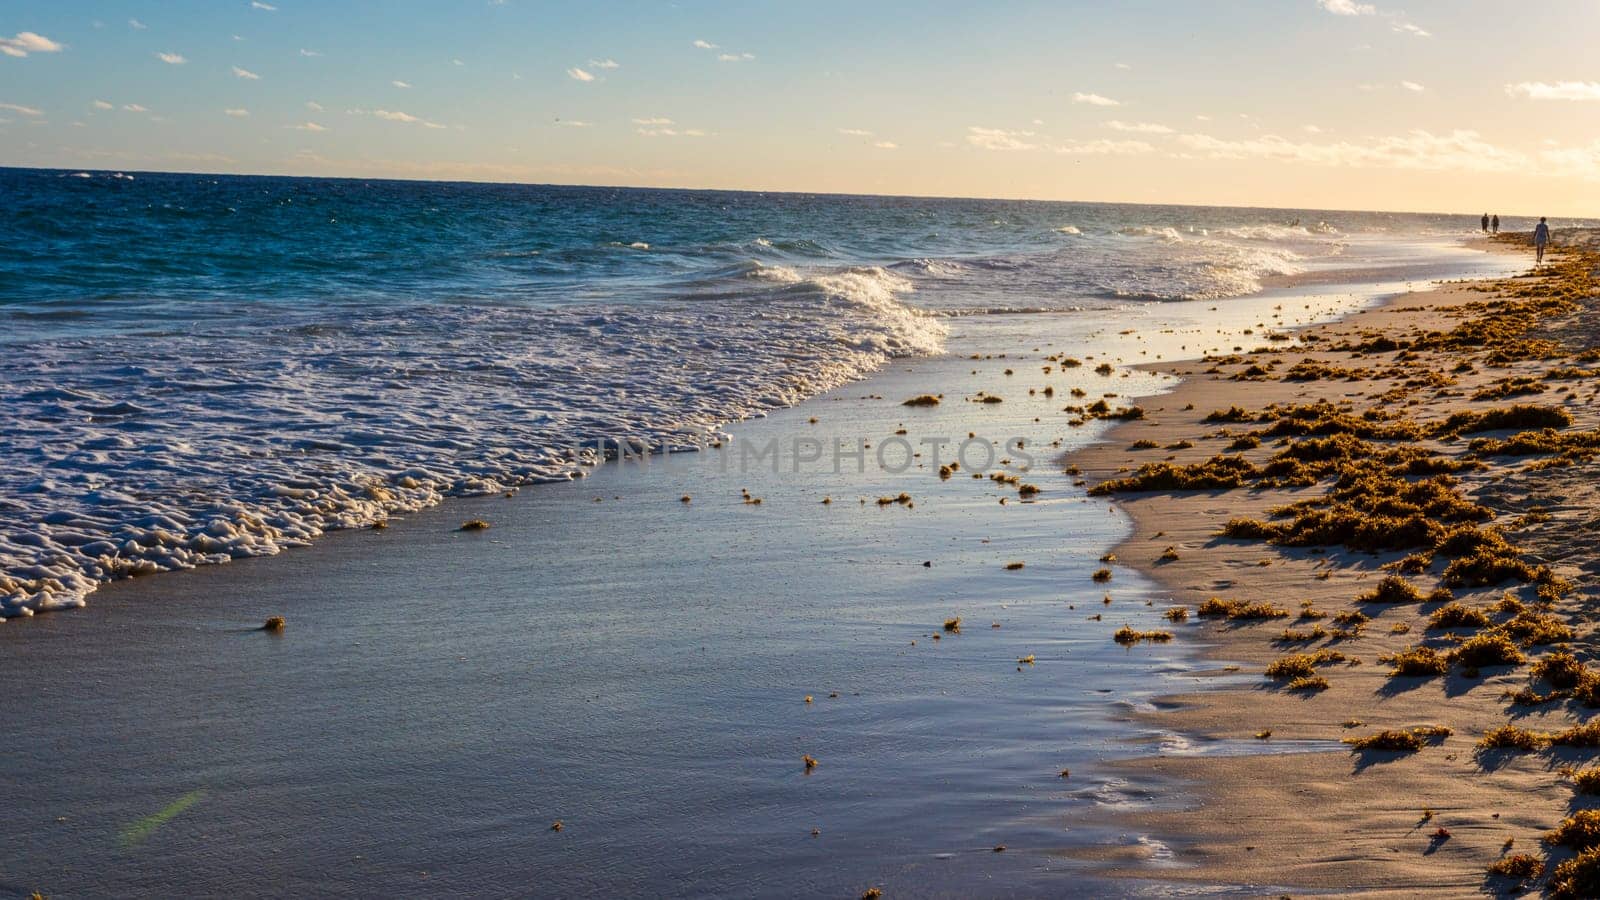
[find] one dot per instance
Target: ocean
(198, 368)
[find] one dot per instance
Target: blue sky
(1441, 104)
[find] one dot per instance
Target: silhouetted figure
(1541, 237)
(1485, 223)
(1494, 224)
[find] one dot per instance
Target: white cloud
(1102, 148)
(1412, 86)
(137, 25)
(577, 74)
(397, 116)
(305, 52)
(1202, 118)
(457, 62)
(661, 127)
(1311, 129)
(573, 123)
(23, 110)
(607, 63)
(257, 4)
(735, 57)
(237, 113)
(1094, 100)
(134, 107)
(246, 74)
(1138, 127)
(307, 126)
(1397, 21)
(856, 132)
(653, 122)
(171, 59)
(314, 106)
(1560, 90)
(401, 84)
(886, 145)
(1348, 8)
(101, 104)
(1460, 150)
(26, 42)
(999, 139)
(1122, 66)
(705, 45)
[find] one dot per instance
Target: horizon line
(706, 190)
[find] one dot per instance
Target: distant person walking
(1485, 223)
(1494, 224)
(1541, 237)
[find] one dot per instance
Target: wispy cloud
(1412, 86)
(607, 63)
(171, 59)
(25, 42)
(22, 110)
(305, 52)
(134, 108)
(389, 115)
(856, 132)
(307, 126)
(1348, 8)
(999, 138)
(1102, 148)
(1559, 90)
(137, 25)
(237, 113)
(403, 85)
(735, 57)
(1138, 127)
(102, 104)
(1123, 66)
(705, 45)
(658, 120)
(246, 74)
(573, 123)
(577, 74)
(886, 145)
(257, 4)
(660, 126)
(1094, 100)
(1397, 20)
(1460, 150)
(314, 106)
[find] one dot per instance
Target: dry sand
(1340, 820)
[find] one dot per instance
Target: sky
(1437, 105)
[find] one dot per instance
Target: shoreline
(1319, 815)
(465, 641)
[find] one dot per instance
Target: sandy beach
(1430, 819)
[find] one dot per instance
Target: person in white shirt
(1541, 237)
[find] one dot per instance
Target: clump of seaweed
(1392, 740)
(1458, 615)
(1518, 866)
(1534, 629)
(1302, 665)
(1579, 831)
(1177, 614)
(1577, 877)
(1126, 635)
(922, 400)
(1560, 670)
(1101, 575)
(1309, 683)
(1512, 737)
(1394, 589)
(1217, 473)
(1489, 649)
(1417, 662)
(1216, 607)
(473, 525)
(275, 623)
(1521, 416)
